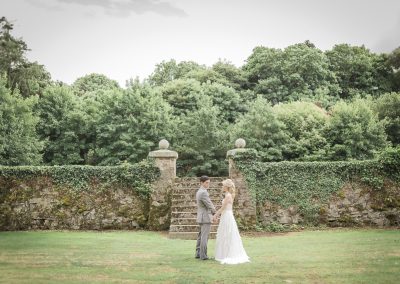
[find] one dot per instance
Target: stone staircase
(184, 209)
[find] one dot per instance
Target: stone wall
(39, 204)
(244, 206)
(355, 204)
(36, 203)
(160, 199)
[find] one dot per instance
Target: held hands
(215, 218)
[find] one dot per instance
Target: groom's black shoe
(197, 256)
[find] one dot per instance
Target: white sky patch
(126, 38)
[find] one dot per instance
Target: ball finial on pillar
(240, 143)
(163, 144)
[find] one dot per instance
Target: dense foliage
(293, 104)
(19, 143)
(138, 176)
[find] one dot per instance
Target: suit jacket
(205, 208)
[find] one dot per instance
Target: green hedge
(308, 185)
(137, 176)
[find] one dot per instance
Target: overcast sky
(127, 38)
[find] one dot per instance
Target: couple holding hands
(228, 247)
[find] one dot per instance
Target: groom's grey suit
(205, 209)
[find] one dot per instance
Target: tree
(354, 132)
(206, 76)
(387, 107)
(201, 141)
(262, 64)
(182, 94)
(227, 99)
(359, 71)
(185, 67)
(262, 130)
(300, 71)
(93, 83)
(304, 125)
(164, 72)
(130, 125)
(233, 75)
(30, 78)
(167, 71)
(19, 144)
(393, 61)
(12, 51)
(59, 126)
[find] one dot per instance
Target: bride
(228, 248)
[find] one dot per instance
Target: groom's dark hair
(204, 178)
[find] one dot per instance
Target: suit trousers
(202, 239)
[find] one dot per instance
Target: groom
(205, 209)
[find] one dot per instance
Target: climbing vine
(137, 176)
(308, 185)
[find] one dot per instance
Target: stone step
(186, 221)
(187, 214)
(197, 179)
(189, 208)
(197, 185)
(192, 195)
(191, 184)
(184, 207)
(194, 190)
(191, 202)
(189, 228)
(189, 235)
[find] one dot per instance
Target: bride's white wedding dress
(229, 248)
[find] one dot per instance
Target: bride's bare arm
(225, 201)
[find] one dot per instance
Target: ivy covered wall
(332, 193)
(283, 194)
(76, 197)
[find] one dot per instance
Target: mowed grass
(329, 256)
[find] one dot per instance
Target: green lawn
(329, 256)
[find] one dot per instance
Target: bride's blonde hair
(230, 185)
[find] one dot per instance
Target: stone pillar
(245, 205)
(240, 145)
(160, 199)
